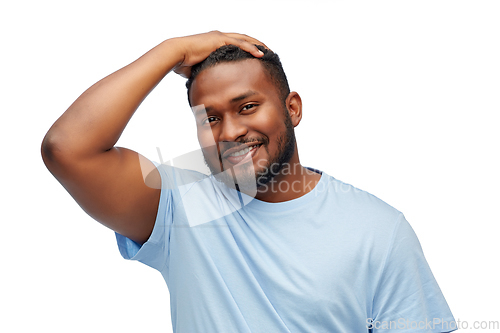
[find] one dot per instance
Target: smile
(242, 155)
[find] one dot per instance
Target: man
(262, 245)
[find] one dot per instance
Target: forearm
(95, 121)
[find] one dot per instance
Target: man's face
(242, 123)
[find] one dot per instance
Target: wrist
(173, 50)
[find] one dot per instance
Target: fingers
(245, 38)
(197, 47)
(247, 43)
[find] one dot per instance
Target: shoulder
(174, 177)
(361, 209)
(352, 197)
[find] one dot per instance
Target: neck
(292, 182)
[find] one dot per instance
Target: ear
(294, 107)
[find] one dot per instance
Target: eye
(248, 107)
(209, 120)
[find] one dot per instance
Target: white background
(401, 99)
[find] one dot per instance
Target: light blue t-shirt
(337, 259)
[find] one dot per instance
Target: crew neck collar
(294, 203)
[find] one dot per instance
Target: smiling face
(242, 123)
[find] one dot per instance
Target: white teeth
(242, 152)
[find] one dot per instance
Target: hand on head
(197, 48)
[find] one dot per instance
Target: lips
(246, 153)
(238, 148)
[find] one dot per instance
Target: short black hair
(228, 53)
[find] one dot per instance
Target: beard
(244, 177)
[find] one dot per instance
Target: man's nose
(232, 129)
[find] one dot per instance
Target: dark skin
(243, 105)
(79, 149)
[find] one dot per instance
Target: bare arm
(79, 151)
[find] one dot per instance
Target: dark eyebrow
(233, 100)
(243, 96)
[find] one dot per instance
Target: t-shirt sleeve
(408, 298)
(155, 251)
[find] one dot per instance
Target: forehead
(224, 81)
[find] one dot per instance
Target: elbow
(51, 150)
(47, 149)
